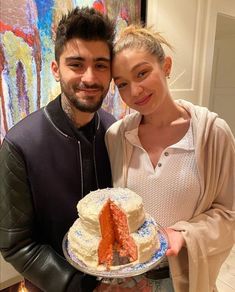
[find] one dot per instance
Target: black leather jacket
(41, 183)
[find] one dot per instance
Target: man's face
(84, 73)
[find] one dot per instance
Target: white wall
(222, 95)
(182, 22)
(8, 275)
(214, 8)
(190, 25)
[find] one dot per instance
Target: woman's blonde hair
(138, 37)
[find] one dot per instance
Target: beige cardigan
(210, 234)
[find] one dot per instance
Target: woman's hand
(176, 242)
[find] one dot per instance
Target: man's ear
(167, 66)
(55, 70)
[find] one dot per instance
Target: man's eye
(76, 65)
(102, 66)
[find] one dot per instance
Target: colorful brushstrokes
(99, 5)
(26, 51)
(20, 62)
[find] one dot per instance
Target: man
(55, 156)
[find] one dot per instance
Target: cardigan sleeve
(209, 235)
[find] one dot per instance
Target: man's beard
(83, 106)
(88, 108)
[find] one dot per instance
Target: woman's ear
(55, 70)
(167, 66)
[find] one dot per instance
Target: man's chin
(88, 107)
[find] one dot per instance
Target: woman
(179, 157)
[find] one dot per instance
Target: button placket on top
(185, 143)
(133, 138)
(165, 155)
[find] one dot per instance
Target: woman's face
(141, 79)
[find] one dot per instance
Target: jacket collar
(58, 118)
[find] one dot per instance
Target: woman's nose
(136, 89)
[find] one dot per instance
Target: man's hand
(176, 242)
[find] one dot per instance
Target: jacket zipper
(96, 177)
(94, 158)
(80, 157)
(80, 152)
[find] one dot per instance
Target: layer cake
(112, 229)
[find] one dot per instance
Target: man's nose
(88, 76)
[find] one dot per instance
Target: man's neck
(77, 117)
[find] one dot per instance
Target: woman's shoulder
(206, 122)
(223, 130)
(126, 123)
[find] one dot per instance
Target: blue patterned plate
(125, 271)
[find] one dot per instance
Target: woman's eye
(141, 74)
(121, 85)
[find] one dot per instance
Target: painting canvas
(27, 29)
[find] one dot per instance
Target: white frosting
(85, 245)
(84, 236)
(147, 240)
(90, 206)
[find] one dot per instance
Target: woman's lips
(143, 100)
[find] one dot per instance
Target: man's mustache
(83, 85)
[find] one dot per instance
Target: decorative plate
(124, 271)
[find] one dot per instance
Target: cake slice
(115, 235)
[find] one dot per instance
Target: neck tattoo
(69, 111)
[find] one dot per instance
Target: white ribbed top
(171, 191)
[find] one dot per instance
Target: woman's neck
(169, 113)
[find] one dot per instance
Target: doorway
(222, 93)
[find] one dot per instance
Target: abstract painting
(27, 29)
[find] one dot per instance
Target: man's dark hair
(84, 23)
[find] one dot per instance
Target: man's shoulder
(106, 118)
(25, 126)
(28, 124)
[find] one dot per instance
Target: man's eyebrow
(103, 59)
(74, 58)
(78, 58)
